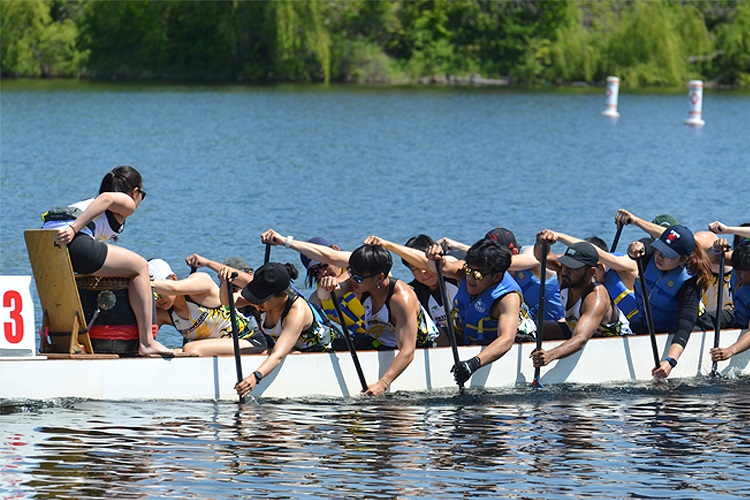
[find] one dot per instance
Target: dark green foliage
(645, 42)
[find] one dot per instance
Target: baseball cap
(269, 280)
(307, 261)
(665, 220)
(675, 241)
(159, 269)
(503, 237)
(579, 254)
(237, 263)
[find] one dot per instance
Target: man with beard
(589, 310)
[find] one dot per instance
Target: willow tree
(36, 44)
(303, 44)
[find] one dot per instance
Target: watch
(258, 376)
(672, 362)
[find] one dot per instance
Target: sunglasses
(158, 296)
(316, 270)
(356, 277)
(143, 193)
(476, 274)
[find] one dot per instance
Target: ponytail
(121, 179)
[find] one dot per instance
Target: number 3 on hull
(17, 337)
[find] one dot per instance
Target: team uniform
(315, 338)
(432, 301)
(214, 323)
(621, 326)
(87, 250)
(381, 330)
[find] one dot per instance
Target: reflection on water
(684, 441)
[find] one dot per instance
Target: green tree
(35, 44)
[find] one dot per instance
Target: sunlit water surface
(223, 164)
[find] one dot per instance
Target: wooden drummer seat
(64, 325)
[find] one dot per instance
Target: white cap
(159, 269)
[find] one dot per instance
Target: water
(222, 164)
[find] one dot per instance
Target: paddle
(717, 324)
(268, 254)
(649, 318)
(349, 343)
(540, 315)
(193, 269)
(235, 333)
(617, 238)
(448, 319)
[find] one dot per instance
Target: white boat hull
(603, 361)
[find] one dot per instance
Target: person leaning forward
(589, 310)
(488, 307)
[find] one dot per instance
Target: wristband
(258, 377)
(288, 241)
(672, 362)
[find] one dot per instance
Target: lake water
(222, 164)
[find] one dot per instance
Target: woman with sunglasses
(394, 319)
(323, 258)
(488, 307)
(283, 315)
(85, 226)
(193, 306)
(675, 272)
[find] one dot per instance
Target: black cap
(503, 237)
(269, 280)
(579, 254)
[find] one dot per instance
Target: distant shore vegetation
(647, 43)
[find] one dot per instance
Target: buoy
(695, 97)
(613, 91)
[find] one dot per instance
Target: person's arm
(689, 298)
(118, 203)
(449, 244)
(452, 267)
(621, 263)
(595, 306)
(330, 284)
(195, 284)
(626, 218)
(404, 310)
(717, 227)
(196, 261)
(291, 328)
(318, 253)
(724, 353)
(523, 261)
(416, 258)
(549, 238)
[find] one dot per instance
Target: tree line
(644, 42)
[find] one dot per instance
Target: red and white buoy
(613, 91)
(695, 96)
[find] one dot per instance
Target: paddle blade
(537, 383)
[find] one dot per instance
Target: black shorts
(87, 254)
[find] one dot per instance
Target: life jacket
(432, 300)
(354, 313)
(662, 292)
(315, 338)
(623, 296)
(741, 296)
(531, 286)
(472, 315)
(382, 330)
